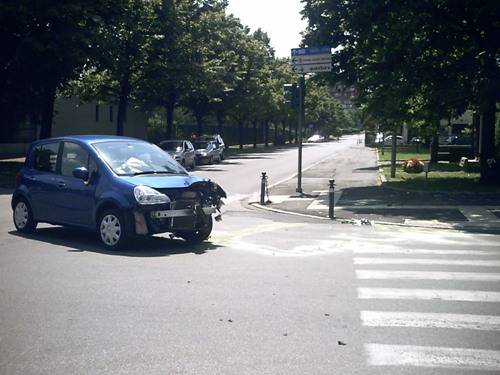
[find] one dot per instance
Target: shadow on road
(78, 240)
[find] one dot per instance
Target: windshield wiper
(154, 172)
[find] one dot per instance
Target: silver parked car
(182, 151)
(207, 152)
(219, 143)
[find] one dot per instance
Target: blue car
(120, 187)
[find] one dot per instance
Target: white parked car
(316, 138)
(399, 140)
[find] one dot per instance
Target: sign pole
(299, 132)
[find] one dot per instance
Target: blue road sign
(311, 51)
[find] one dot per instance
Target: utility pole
(299, 132)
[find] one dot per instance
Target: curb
(430, 225)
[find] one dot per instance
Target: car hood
(163, 181)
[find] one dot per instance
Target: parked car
(219, 143)
(182, 151)
(207, 152)
(117, 186)
(316, 138)
(388, 140)
(459, 140)
(416, 140)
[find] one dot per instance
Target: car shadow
(78, 240)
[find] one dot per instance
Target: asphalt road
(268, 294)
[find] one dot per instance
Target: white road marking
(428, 261)
(426, 275)
(429, 294)
(433, 356)
(430, 320)
(403, 251)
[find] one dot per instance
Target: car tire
(199, 235)
(23, 217)
(111, 229)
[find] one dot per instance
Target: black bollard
(331, 200)
(263, 183)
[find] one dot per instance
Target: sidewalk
(359, 195)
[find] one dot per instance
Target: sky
(281, 20)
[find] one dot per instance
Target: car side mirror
(82, 173)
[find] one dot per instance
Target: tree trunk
(296, 133)
(275, 142)
(284, 132)
(169, 110)
(475, 134)
(434, 148)
(47, 113)
(122, 104)
(393, 153)
(487, 143)
(199, 122)
(254, 133)
(220, 122)
(266, 133)
(240, 135)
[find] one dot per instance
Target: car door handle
(61, 184)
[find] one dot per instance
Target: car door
(42, 187)
(75, 199)
(189, 153)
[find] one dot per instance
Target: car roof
(89, 139)
(174, 140)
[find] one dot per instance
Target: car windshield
(129, 158)
(171, 146)
(201, 145)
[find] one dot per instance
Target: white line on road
(430, 320)
(433, 356)
(428, 261)
(429, 294)
(404, 251)
(426, 275)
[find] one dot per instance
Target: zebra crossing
(403, 292)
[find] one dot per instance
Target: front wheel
(23, 217)
(199, 235)
(111, 228)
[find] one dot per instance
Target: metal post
(331, 200)
(263, 183)
(299, 132)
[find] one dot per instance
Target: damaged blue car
(120, 187)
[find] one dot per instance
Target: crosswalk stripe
(428, 261)
(432, 356)
(426, 275)
(423, 251)
(430, 320)
(429, 294)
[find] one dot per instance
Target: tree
(439, 54)
(43, 45)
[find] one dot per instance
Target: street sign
(311, 60)
(312, 68)
(311, 51)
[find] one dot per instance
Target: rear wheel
(112, 231)
(23, 217)
(199, 235)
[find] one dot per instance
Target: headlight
(146, 195)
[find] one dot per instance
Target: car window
(190, 146)
(45, 157)
(73, 156)
(129, 158)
